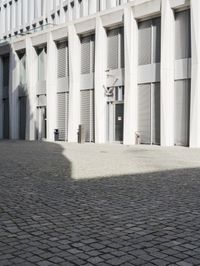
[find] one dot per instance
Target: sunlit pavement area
(87, 204)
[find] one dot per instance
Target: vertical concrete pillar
(13, 16)
(31, 11)
(74, 82)
(51, 88)
(77, 9)
(62, 14)
(103, 4)
(31, 70)
(1, 98)
(85, 7)
(3, 19)
(19, 13)
(195, 75)
(167, 74)
(13, 94)
(8, 16)
(25, 11)
(100, 81)
(131, 65)
(92, 6)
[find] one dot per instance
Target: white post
(51, 88)
(100, 81)
(13, 94)
(131, 65)
(195, 82)
(167, 74)
(31, 70)
(74, 82)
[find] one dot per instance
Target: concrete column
(31, 11)
(100, 81)
(74, 82)
(13, 15)
(103, 4)
(195, 75)
(51, 81)
(76, 9)
(92, 6)
(8, 16)
(62, 14)
(25, 11)
(1, 22)
(13, 94)
(167, 74)
(19, 13)
(131, 65)
(85, 7)
(3, 19)
(31, 70)
(1, 98)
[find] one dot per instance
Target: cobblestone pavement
(68, 204)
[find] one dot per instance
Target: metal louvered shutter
(62, 60)
(22, 117)
(63, 104)
(6, 118)
(85, 55)
(144, 53)
(144, 113)
(113, 48)
(182, 112)
(92, 53)
(122, 47)
(156, 42)
(155, 113)
(87, 114)
(182, 35)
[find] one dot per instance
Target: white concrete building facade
(128, 71)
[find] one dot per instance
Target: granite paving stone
(94, 204)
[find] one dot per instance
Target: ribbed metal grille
(149, 113)
(121, 34)
(156, 27)
(155, 113)
(62, 118)
(113, 48)
(87, 114)
(144, 53)
(92, 53)
(182, 112)
(182, 35)
(144, 113)
(62, 62)
(85, 55)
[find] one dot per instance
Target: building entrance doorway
(115, 115)
(42, 122)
